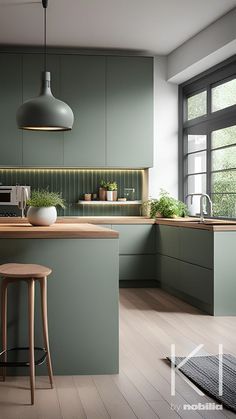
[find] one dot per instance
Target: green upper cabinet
(41, 148)
(129, 112)
(112, 101)
(83, 88)
(11, 98)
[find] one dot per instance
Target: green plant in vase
(112, 191)
(42, 207)
(166, 206)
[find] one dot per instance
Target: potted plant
(112, 191)
(102, 190)
(166, 206)
(42, 207)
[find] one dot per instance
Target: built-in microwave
(13, 195)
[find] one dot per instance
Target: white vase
(109, 195)
(42, 216)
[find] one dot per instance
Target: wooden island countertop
(59, 230)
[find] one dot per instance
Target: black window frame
(207, 123)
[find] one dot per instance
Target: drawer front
(192, 280)
(136, 239)
(168, 241)
(196, 246)
(196, 282)
(137, 267)
(168, 271)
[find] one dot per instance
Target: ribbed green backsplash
(73, 183)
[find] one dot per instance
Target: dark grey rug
(203, 371)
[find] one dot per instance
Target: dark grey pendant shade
(45, 112)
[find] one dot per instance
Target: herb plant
(166, 206)
(44, 198)
(112, 186)
(103, 184)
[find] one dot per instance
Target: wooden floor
(150, 321)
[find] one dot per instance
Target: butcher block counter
(59, 230)
(82, 293)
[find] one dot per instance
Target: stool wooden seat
(14, 272)
(22, 270)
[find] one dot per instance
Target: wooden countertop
(191, 222)
(71, 224)
(58, 231)
(89, 220)
(107, 220)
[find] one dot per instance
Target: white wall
(212, 45)
(164, 174)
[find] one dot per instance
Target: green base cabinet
(225, 273)
(137, 248)
(82, 303)
(198, 266)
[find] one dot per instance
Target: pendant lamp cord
(45, 39)
(45, 5)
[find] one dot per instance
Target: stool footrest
(38, 361)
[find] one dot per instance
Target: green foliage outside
(223, 183)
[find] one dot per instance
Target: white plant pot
(109, 195)
(42, 216)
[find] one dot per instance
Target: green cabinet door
(168, 240)
(168, 272)
(137, 267)
(83, 88)
(11, 96)
(129, 112)
(41, 148)
(197, 282)
(136, 239)
(196, 246)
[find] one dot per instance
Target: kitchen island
(82, 294)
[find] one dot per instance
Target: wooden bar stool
(14, 272)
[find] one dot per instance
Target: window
(208, 139)
(197, 105)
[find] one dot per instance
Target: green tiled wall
(73, 183)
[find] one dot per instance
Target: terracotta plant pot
(102, 194)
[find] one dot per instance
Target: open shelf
(110, 202)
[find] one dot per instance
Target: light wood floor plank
(69, 400)
(15, 399)
(139, 405)
(112, 398)
(90, 398)
(46, 400)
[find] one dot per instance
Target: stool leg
(43, 286)
(4, 322)
(31, 336)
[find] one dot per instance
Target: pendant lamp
(45, 112)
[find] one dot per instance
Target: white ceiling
(154, 26)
